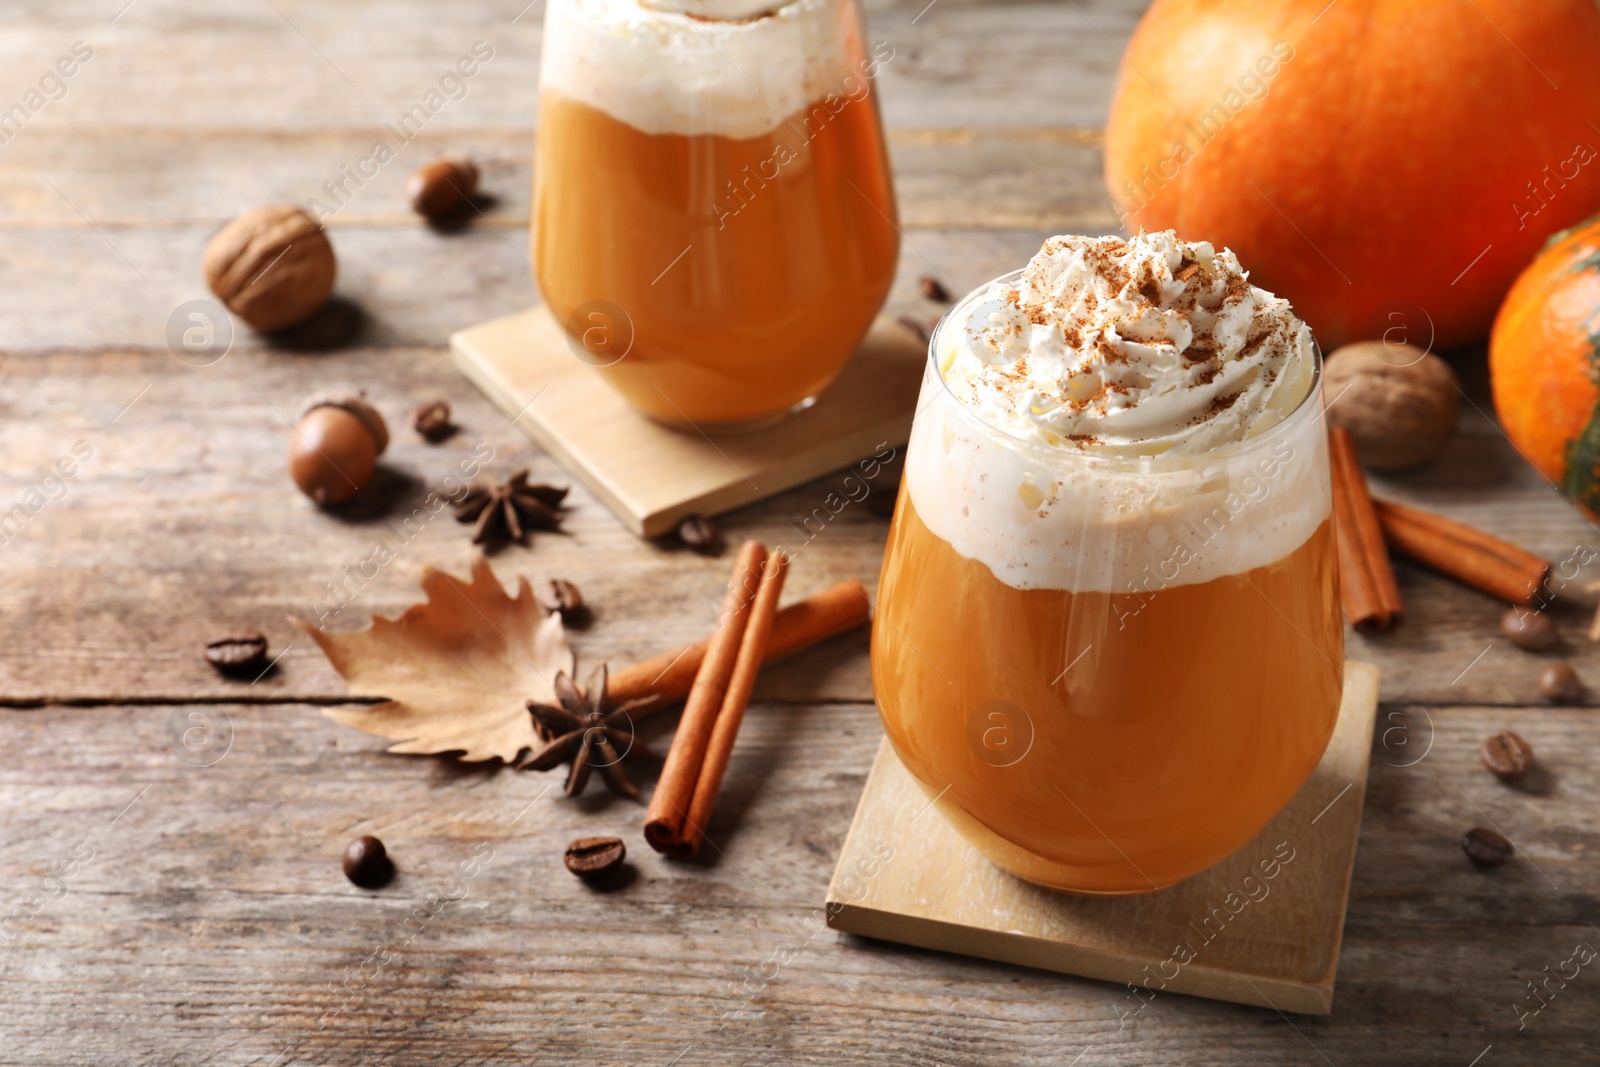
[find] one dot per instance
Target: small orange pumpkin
(1387, 165)
(1544, 364)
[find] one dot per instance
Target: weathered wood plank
(972, 178)
(1033, 179)
(81, 288)
(184, 524)
(205, 926)
(297, 65)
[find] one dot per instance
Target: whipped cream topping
(738, 68)
(1122, 417)
(1136, 346)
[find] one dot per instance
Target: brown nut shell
(1399, 402)
(335, 449)
(356, 404)
(273, 266)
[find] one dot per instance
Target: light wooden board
(1272, 942)
(652, 477)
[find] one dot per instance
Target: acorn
(335, 447)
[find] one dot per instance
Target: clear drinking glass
(1125, 726)
(714, 218)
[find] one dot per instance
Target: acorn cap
(356, 404)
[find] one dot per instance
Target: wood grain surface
(209, 927)
(201, 922)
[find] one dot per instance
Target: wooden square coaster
(653, 477)
(1228, 933)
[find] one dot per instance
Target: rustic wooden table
(202, 921)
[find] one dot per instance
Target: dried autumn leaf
(458, 670)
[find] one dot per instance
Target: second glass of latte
(1108, 637)
(714, 221)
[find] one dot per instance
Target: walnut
(273, 266)
(1398, 402)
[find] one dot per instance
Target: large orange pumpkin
(1544, 362)
(1384, 164)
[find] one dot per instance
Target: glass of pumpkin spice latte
(1108, 637)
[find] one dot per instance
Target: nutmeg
(273, 266)
(335, 447)
(1399, 402)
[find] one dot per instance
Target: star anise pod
(593, 738)
(504, 512)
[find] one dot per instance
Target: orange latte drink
(714, 220)
(1108, 638)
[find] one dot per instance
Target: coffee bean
(594, 857)
(699, 533)
(558, 594)
(933, 290)
(1559, 682)
(432, 421)
(1507, 755)
(242, 655)
(366, 863)
(916, 326)
(443, 187)
(1531, 630)
(1485, 848)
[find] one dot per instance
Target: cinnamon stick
(1366, 579)
(1471, 556)
(752, 651)
(669, 803)
(667, 678)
